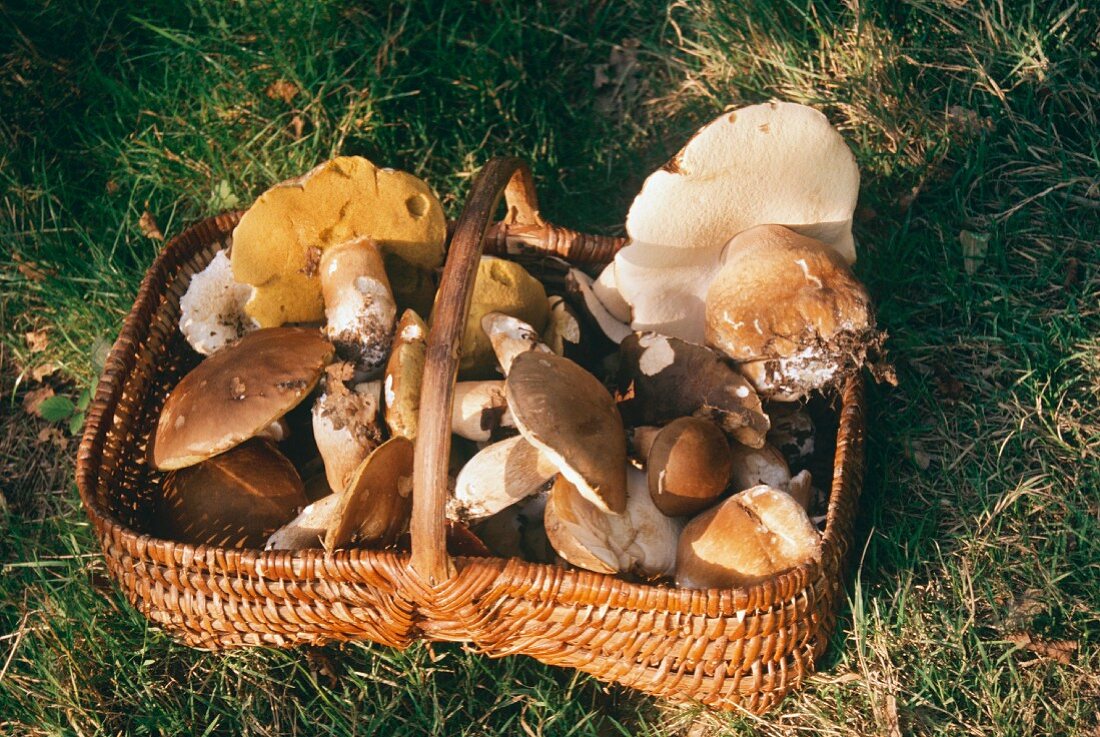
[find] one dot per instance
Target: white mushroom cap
(212, 309)
(772, 163)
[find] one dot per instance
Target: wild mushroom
(641, 541)
(479, 409)
(563, 330)
(280, 241)
(212, 309)
(498, 476)
(771, 163)
(404, 371)
(374, 508)
(307, 530)
(236, 393)
(688, 466)
(505, 287)
(662, 378)
(359, 305)
(236, 499)
(346, 423)
(748, 538)
(792, 432)
(788, 311)
(579, 431)
(509, 337)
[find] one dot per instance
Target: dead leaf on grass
(149, 228)
(38, 373)
(53, 436)
(282, 89)
(33, 400)
(297, 126)
(111, 186)
(1058, 650)
(37, 340)
(31, 271)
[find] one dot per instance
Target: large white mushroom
(778, 163)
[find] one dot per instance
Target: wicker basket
(745, 647)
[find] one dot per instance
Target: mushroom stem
(479, 408)
(345, 424)
(359, 305)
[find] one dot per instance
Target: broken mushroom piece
(359, 306)
(404, 372)
(510, 337)
(280, 241)
(212, 309)
(500, 475)
(641, 541)
(479, 409)
(346, 425)
(789, 312)
(746, 539)
(688, 466)
(800, 487)
(772, 163)
(374, 509)
(563, 330)
(235, 500)
(792, 432)
(566, 413)
(236, 393)
(662, 378)
(500, 286)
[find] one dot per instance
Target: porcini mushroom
(509, 337)
(688, 466)
(404, 372)
(238, 392)
(346, 423)
(518, 531)
(359, 305)
(280, 241)
(307, 530)
(771, 163)
(579, 430)
(662, 378)
(641, 540)
(500, 475)
(563, 330)
(236, 499)
(374, 508)
(579, 283)
(748, 538)
(212, 309)
(789, 312)
(755, 466)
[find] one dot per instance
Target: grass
(976, 603)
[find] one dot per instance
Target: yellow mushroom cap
(277, 245)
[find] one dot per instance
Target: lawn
(975, 602)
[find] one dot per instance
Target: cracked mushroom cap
(662, 378)
(565, 412)
(236, 499)
(278, 244)
(237, 393)
(772, 163)
(748, 538)
(789, 312)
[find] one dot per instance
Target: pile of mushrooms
(641, 422)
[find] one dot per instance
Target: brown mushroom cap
(662, 378)
(565, 412)
(237, 392)
(236, 499)
(688, 466)
(748, 538)
(789, 311)
(374, 508)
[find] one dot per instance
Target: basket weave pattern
(726, 648)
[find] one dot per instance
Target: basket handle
(512, 178)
